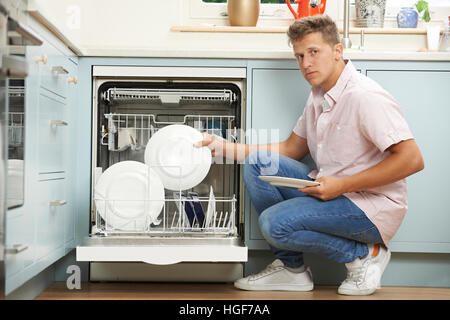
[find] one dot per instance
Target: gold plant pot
(243, 12)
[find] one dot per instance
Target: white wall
(102, 25)
(120, 23)
(143, 25)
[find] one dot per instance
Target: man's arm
(294, 147)
(404, 161)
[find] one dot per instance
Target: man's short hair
(318, 23)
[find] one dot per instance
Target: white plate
(179, 164)
(211, 208)
(288, 182)
(129, 196)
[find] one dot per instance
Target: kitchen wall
(99, 26)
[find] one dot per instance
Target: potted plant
(422, 6)
(433, 30)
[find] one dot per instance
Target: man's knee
(268, 226)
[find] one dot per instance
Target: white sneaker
(277, 277)
(364, 275)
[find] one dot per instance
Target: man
(363, 149)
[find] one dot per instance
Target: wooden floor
(199, 291)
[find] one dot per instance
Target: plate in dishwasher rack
(179, 164)
(129, 196)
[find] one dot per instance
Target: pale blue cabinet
(43, 229)
(277, 97)
(50, 212)
(425, 99)
(52, 133)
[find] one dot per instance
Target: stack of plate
(129, 196)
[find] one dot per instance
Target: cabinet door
(425, 99)
(278, 99)
(53, 133)
(51, 210)
(19, 243)
(54, 71)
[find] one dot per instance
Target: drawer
(19, 243)
(51, 209)
(55, 70)
(53, 134)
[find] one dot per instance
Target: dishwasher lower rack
(169, 240)
(178, 218)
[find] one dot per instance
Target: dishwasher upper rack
(169, 96)
(135, 130)
(16, 92)
(171, 222)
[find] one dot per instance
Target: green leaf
(421, 5)
(426, 16)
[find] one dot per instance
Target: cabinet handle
(42, 59)
(59, 70)
(57, 203)
(58, 123)
(73, 80)
(16, 248)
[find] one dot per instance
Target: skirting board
(404, 269)
(180, 272)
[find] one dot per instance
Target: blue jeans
(293, 222)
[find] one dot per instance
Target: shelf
(231, 29)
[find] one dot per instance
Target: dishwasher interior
(127, 112)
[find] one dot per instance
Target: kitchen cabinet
(425, 105)
(52, 134)
(43, 229)
(50, 212)
(277, 97)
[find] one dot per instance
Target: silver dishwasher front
(136, 102)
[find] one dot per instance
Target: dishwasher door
(161, 251)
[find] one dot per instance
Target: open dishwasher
(130, 104)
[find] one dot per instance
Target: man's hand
(330, 188)
(213, 143)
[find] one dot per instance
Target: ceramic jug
(407, 18)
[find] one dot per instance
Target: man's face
(317, 60)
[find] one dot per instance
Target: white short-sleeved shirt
(348, 130)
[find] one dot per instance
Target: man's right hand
(216, 145)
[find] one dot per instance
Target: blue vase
(407, 18)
